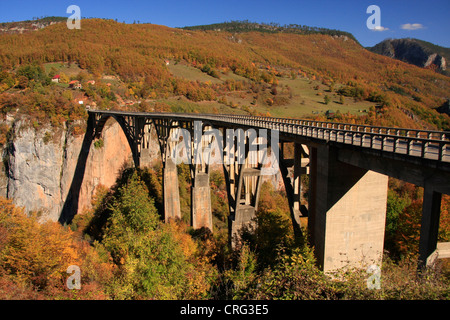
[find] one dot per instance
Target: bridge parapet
(427, 144)
(434, 145)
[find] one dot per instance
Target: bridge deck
(425, 144)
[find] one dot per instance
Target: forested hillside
(247, 26)
(282, 73)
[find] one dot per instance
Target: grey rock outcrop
(40, 165)
(34, 168)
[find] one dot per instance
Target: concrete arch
(73, 201)
(132, 138)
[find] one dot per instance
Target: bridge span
(348, 167)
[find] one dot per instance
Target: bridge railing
(420, 143)
(408, 132)
(427, 144)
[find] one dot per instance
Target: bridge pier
(291, 171)
(247, 197)
(201, 213)
(201, 202)
(347, 213)
(171, 192)
(431, 209)
(242, 170)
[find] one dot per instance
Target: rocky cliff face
(39, 166)
(419, 53)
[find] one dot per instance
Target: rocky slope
(416, 52)
(29, 25)
(39, 166)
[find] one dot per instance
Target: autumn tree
(154, 260)
(63, 78)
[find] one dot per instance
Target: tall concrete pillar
(246, 202)
(431, 209)
(243, 218)
(349, 212)
(171, 191)
(201, 202)
(291, 171)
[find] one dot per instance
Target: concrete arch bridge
(348, 167)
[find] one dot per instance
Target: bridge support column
(291, 171)
(431, 209)
(201, 213)
(201, 202)
(348, 212)
(247, 196)
(242, 170)
(171, 191)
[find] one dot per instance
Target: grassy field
(181, 104)
(307, 101)
(306, 97)
(69, 71)
(303, 100)
(185, 71)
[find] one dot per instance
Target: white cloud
(380, 28)
(412, 26)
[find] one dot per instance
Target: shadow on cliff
(70, 207)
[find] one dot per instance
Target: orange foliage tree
(35, 256)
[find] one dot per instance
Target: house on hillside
(91, 82)
(56, 78)
(75, 84)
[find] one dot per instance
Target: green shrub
(98, 144)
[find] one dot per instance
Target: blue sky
(426, 20)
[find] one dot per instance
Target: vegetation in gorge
(125, 251)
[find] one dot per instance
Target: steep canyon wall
(39, 165)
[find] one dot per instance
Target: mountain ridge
(240, 26)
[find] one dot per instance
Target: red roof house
(75, 84)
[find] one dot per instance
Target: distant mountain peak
(417, 52)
